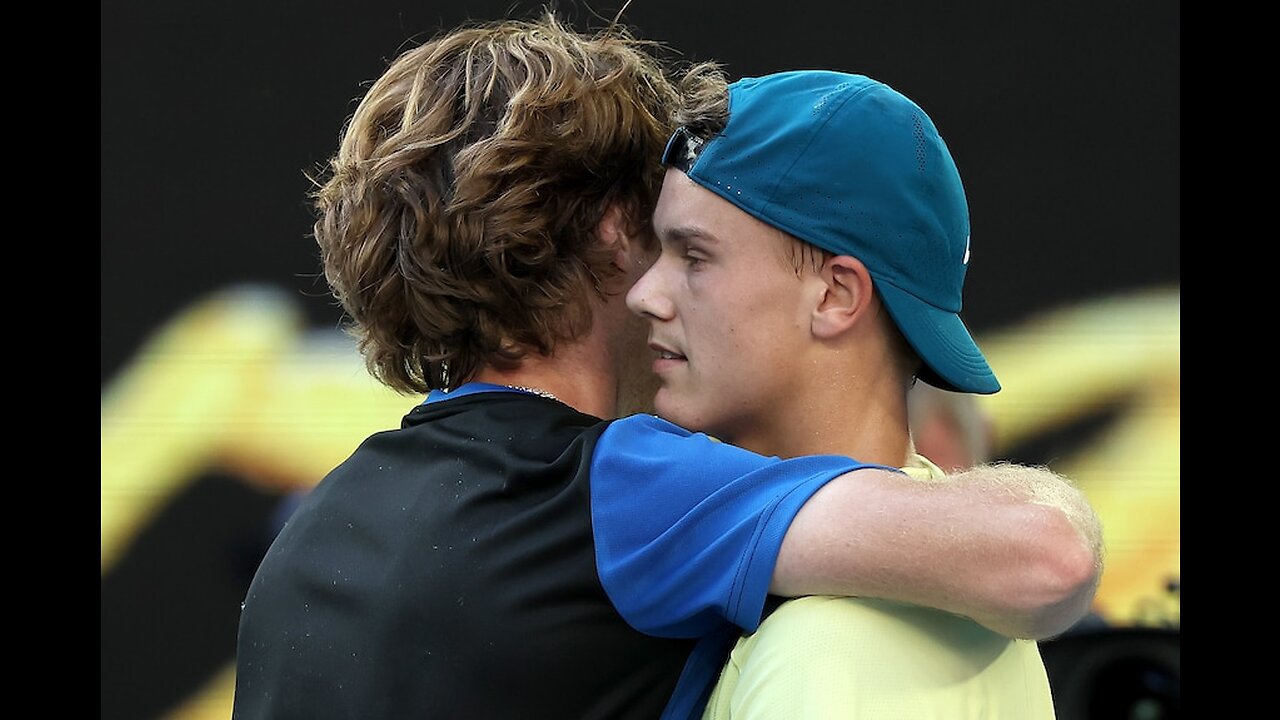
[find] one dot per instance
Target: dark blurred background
(1064, 119)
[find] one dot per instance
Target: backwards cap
(854, 167)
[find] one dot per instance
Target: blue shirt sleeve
(688, 529)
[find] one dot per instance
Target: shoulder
(884, 644)
(886, 628)
(922, 468)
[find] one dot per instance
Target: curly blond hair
(456, 224)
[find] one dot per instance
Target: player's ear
(845, 295)
(615, 231)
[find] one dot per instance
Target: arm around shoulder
(1016, 548)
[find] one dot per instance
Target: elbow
(1070, 568)
(1075, 576)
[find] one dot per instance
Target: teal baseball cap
(849, 164)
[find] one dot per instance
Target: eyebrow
(685, 232)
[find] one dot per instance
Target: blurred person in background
(952, 429)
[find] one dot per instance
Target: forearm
(1015, 548)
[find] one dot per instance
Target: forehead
(686, 209)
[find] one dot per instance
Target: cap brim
(952, 360)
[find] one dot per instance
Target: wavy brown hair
(456, 222)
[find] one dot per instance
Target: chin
(669, 409)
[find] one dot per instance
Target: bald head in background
(952, 429)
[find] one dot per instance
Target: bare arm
(1016, 548)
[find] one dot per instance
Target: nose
(646, 298)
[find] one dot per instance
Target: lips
(667, 360)
(665, 353)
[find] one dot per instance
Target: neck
(575, 375)
(860, 411)
(877, 433)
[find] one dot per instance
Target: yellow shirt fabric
(828, 658)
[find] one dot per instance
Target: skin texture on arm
(1015, 548)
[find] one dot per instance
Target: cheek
(735, 348)
(741, 318)
(762, 318)
(767, 339)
